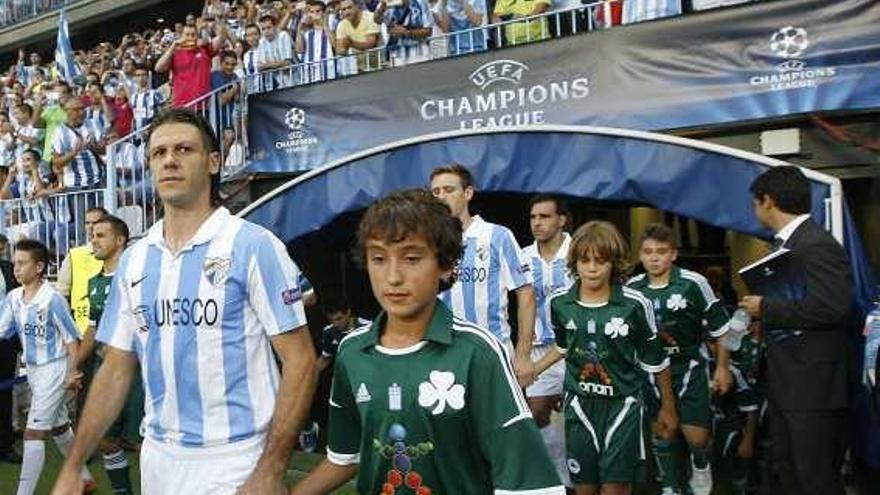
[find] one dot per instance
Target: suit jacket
(810, 369)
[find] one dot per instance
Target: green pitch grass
(299, 466)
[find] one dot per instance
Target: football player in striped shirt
(423, 402)
(606, 333)
(548, 255)
(50, 340)
(492, 265)
(201, 302)
(683, 300)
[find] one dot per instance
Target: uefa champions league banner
(752, 62)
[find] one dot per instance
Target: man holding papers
(804, 302)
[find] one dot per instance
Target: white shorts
(550, 381)
(48, 395)
(220, 470)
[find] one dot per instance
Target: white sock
(32, 464)
(63, 442)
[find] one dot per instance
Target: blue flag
(64, 53)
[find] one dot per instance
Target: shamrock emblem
(616, 328)
(440, 391)
(676, 302)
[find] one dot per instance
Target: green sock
(116, 465)
(700, 457)
(666, 455)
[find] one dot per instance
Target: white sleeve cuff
(343, 459)
(721, 331)
(550, 490)
(656, 368)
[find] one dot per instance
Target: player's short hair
(409, 212)
(99, 210)
(787, 186)
(38, 251)
(267, 17)
(660, 233)
(601, 239)
(117, 225)
(560, 204)
(465, 175)
(336, 305)
(209, 139)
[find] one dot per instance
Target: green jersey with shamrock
(606, 346)
(680, 308)
(444, 416)
(99, 288)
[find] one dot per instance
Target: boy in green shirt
(607, 335)
(422, 402)
(682, 301)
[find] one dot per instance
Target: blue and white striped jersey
(548, 278)
(278, 49)
(44, 324)
(318, 49)
(97, 119)
(199, 323)
(646, 10)
(491, 266)
(250, 69)
(84, 169)
(145, 105)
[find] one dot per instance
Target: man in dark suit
(807, 357)
(8, 366)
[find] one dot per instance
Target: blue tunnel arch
(692, 178)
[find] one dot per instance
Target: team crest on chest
(617, 327)
(440, 391)
(482, 253)
(676, 302)
(216, 269)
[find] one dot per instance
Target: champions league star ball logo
(295, 118)
(789, 42)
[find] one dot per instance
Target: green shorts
(604, 440)
(693, 395)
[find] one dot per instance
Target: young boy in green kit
(422, 402)
(606, 333)
(683, 300)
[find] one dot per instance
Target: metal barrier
(512, 32)
(15, 11)
(57, 220)
(129, 191)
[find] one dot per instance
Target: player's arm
(275, 295)
(722, 380)
(558, 351)
(292, 404)
(718, 321)
(106, 397)
(516, 273)
(63, 322)
(86, 346)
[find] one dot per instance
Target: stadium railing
(129, 192)
(15, 11)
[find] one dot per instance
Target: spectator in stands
(7, 143)
(98, 113)
(75, 148)
(233, 153)
(250, 66)
(145, 101)
(26, 73)
(127, 75)
(275, 51)
(53, 115)
(26, 135)
(315, 43)
(439, 43)
(227, 99)
(464, 17)
(189, 61)
(356, 33)
(409, 24)
(522, 32)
